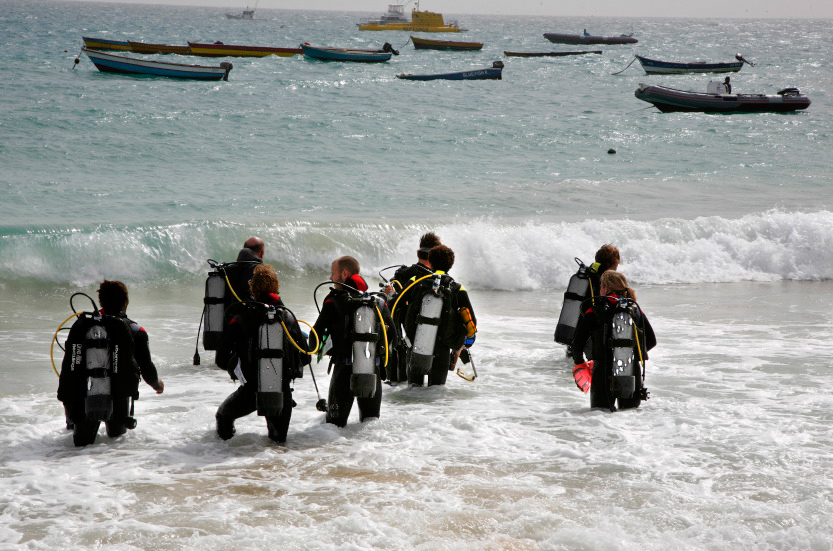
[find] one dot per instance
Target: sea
(724, 224)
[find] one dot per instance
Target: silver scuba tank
(366, 335)
(425, 336)
(270, 365)
(624, 367)
(215, 292)
(571, 307)
(98, 404)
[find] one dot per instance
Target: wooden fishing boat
(112, 63)
(218, 49)
(105, 44)
(549, 54)
(671, 100)
(559, 38)
(656, 67)
(495, 72)
(430, 44)
(149, 48)
(421, 22)
(349, 54)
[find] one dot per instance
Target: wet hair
(617, 283)
(348, 263)
(427, 242)
(113, 296)
(441, 258)
(607, 256)
(254, 244)
(264, 281)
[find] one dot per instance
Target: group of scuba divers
(418, 326)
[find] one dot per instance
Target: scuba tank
(621, 340)
(98, 403)
(425, 337)
(269, 356)
(571, 307)
(365, 338)
(215, 293)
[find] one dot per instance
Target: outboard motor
(425, 336)
(621, 340)
(215, 293)
(388, 48)
(98, 403)
(365, 339)
(571, 307)
(269, 355)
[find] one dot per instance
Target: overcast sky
(585, 8)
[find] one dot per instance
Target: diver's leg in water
(599, 391)
(117, 425)
(278, 426)
(240, 403)
(439, 368)
(340, 400)
(83, 432)
(371, 407)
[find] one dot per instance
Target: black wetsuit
(239, 273)
(241, 338)
(592, 325)
(451, 333)
(335, 320)
(404, 276)
(124, 379)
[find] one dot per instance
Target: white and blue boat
(111, 63)
(495, 72)
(349, 54)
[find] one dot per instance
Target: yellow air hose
(406, 290)
(295, 344)
(384, 333)
(55, 338)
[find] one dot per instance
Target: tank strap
(269, 353)
(98, 372)
(422, 320)
(212, 300)
(96, 343)
(621, 343)
(573, 296)
(366, 337)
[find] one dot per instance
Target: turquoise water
(724, 222)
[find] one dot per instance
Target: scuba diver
(622, 336)
(361, 331)
(398, 368)
(263, 338)
(227, 284)
(438, 321)
(583, 286)
(105, 354)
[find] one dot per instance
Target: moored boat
(247, 13)
(421, 22)
(112, 63)
(716, 101)
(218, 49)
(560, 38)
(656, 67)
(349, 54)
(549, 54)
(395, 14)
(430, 44)
(495, 72)
(149, 48)
(105, 44)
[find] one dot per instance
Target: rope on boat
(405, 44)
(623, 70)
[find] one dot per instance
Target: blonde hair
(264, 281)
(617, 283)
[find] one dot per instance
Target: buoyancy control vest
(577, 292)
(433, 322)
(98, 365)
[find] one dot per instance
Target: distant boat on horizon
(247, 13)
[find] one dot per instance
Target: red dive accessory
(583, 374)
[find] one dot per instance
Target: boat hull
(111, 63)
(656, 67)
(231, 50)
(559, 38)
(549, 54)
(478, 74)
(104, 44)
(428, 44)
(345, 54)
(421, 22)
(670, 100)
(147, 48)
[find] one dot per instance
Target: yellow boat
(421, 21)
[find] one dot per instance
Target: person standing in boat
(727, 85)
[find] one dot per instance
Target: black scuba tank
(268, 353)
(621, 341)
(571, 307)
